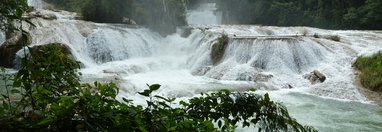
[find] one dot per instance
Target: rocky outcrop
(40, 14)
(256, 77)
(128, 21)
(218, 49)
(15, 42)
(315, 77)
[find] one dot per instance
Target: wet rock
(251, 76)
(40, 14)
(315, 77)
(8, 50)
(218, 49)
(128, 21)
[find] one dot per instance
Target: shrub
(371, 71)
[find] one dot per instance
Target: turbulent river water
(271, 59)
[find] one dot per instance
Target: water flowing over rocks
(270, 59)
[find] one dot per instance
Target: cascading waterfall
(272, 59)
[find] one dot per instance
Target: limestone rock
(251, 76)
(9, 48)
(315, 77)
(218, 49)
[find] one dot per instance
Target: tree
(373, 14)
(11, 11)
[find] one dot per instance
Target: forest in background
(162, 16)
(165, 15)
(329, 14)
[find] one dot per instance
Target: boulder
(252, 76)
(218, 49)
(315, 77)
(9, 48)
(49, 15)
(128, 21)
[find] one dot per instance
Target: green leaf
(45, 121)
(142, 128)
(19, 13)
(157, 96)
(184, 103)
(15, 91)
(208, 124)
(145, 93)
(172, 128)
(154, 87)
(252, 89)
(5, 96)
(126, 100)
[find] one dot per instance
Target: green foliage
(334, 14)
(38, 75)
(11, 10)
(159, 15)
(228, 109)
(371, 71)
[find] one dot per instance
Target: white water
(135, 56)
(204, 15)
(37, 4)
(2, 37)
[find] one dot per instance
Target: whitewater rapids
(271, 59)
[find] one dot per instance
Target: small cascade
(96, 43)
(282, 55)
(105, 45)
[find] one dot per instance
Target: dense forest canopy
(162, 16)
(165, 15)
(332, 14)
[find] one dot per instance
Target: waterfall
(271, 59)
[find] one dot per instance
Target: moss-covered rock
(218, 49)
(371, 71)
